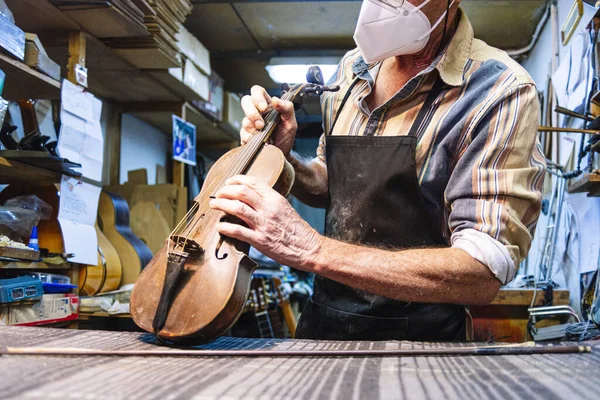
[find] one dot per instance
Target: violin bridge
(186, 245)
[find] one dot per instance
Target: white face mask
(389, 28)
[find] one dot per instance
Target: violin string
(248, 153)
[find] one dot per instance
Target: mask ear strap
(444, 15)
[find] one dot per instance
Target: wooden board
(20, 253)
(106, 22)
(16, 172)
(37, 59)
(483, 377)
(149, 225)
(24, 82)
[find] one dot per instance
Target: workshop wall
(571, 255)
(145, 145)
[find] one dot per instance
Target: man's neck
(410, 65)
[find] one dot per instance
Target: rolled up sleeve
(494, 192)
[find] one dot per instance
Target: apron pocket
(322, 322)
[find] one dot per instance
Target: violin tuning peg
(315, 76)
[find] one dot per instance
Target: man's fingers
(240, 192)
(247, 180)
(236, 208)
(260, 98)
(239, 232)
(244, 136)
(285, 108)
(252, 112)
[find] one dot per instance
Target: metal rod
(567, 130)
(457, 351)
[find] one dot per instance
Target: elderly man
(430, 171)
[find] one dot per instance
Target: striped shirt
(479, 163)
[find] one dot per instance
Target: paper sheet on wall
(80, 137)
(77, 213)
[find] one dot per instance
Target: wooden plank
(37, 16)
(33, 265)
(20, 173)
(585, 183)
(137, 176)
(35, 58)
(178, 173)
(77, 44)
(523, 297)
(20, 253)
(113, 135)
(106, 22)
(24, 82)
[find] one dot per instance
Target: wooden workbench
(482, 377)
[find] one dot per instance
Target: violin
(196, 286)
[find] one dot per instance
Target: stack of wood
(107, 18)
(162, 19)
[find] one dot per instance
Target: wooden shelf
(159, 115)
(101, 314)
(37, 16)
(16, 172)
(110, 77)
(24, 82)
(586, 183)
(34, 265)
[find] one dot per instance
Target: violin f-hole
(221, 240)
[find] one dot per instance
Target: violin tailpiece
(175, 264)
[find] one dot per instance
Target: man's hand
(274, 227)
(256, 106)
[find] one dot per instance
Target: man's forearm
(310, 185)
(436, 275)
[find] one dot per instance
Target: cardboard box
(213, 106)
(234, 114)
(51, 308)
(191, 47)
(196, 80)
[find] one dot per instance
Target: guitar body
(104, 276)
(216, 282)
(112, 263)
(113, 217)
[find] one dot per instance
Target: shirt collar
(450, 64)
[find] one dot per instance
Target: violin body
(215, 282)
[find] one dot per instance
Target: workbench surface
(481, 377)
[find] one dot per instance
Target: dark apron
(375, 199)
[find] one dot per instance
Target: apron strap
(431, 97)
(344, 100)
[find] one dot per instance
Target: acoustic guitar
(113, 218)
(106, 275)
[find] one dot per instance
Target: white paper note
(75, 100)
(81, 139)
(77, 213)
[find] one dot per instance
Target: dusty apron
(375, 199)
